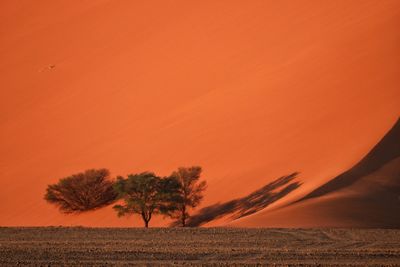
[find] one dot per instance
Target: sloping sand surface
(249, 91)
(387, 150)
(365, 196)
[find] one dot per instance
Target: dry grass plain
(77, 246)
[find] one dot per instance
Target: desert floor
(76, 246)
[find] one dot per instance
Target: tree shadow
(386, 150)
(249, 204)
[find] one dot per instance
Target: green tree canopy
(146, 194)
(190, 192)
(82, 192)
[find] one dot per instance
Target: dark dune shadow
(249, 204)
(384, 152)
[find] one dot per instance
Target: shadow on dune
(367, 195)
(384, 152)
(249, 204)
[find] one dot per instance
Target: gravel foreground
(77, 246)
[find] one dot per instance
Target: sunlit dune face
(249, 91)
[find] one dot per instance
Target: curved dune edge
(249, 91)
(367, 195)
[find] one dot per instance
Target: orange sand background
(250, 91)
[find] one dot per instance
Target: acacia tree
(190, 192)
(145, 194)
(82, 192)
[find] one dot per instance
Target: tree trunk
(146, 219)
(183, 216)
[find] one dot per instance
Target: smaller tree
(82, 192)
(145, 194)
(190, 192)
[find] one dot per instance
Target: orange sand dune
(251, 91)
(367, 195)
(374, 202)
